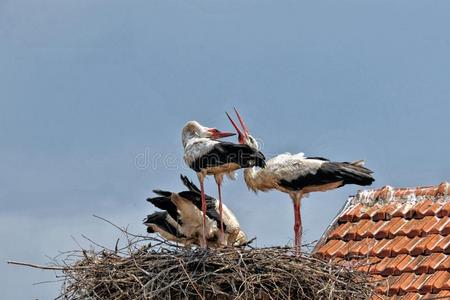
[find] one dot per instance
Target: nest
(149, 268)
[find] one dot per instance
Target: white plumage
(282, 167)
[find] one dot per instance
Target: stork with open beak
(298, 175)
(181, 219)
(207, 156)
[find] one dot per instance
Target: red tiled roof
(401, 236)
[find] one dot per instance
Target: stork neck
(187, 136)
(250, 178)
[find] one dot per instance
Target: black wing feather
(211, 210)
(331, 172)
(160, 219)
(166, 204)
(225, 152)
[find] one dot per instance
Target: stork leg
(297, 223)
(219, 179)
(202, 189)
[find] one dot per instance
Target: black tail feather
(189, 184)
(162, 193)
(354, 174)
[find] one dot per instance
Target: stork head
(244, 136)
(194, 129)
(241, 239)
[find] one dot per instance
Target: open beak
(216, 134)
(242, 135)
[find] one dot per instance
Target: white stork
(181, 220)
(298, 175)
(207, 156)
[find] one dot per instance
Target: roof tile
(385, 212)
(412, 243)
(391, 267)
(423, 209)
(433, 209)
(411, 267)
(430, 284)
(418, 283)
(340, 231)
(401, 267)
(445, 229)
(442, 282)
(432, 243)
(429, 264)
(411, 296)
(387, 249)
(383, 231)
(383, 287)
(396, 286)
(443, 245)
(323, 250)
(412, 228)
(444, 211)
(403, 211)
(369, 212)
(396, 227)
(333, 249)
(341, 250)
(376, 227)
(441, 225)
(399, 245)
(443, 294)
(420, 247)
(362, 228)
(381, 266)
(352, 214)
(351, 232)
(430, 222)
(445, 264)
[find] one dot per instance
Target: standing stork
(298, 175)
(181, 219)
(207, 156)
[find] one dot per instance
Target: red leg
(203, 210)
(297, 226)
(300, 224)
(221, 237)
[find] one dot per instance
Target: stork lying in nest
(181, 218)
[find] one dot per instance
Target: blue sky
(90, 87)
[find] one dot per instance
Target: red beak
(242, 135)
(244, 127)
(216, 134)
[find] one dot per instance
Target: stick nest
(153, 272)
(149, 268)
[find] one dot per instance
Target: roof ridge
(388, 194)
